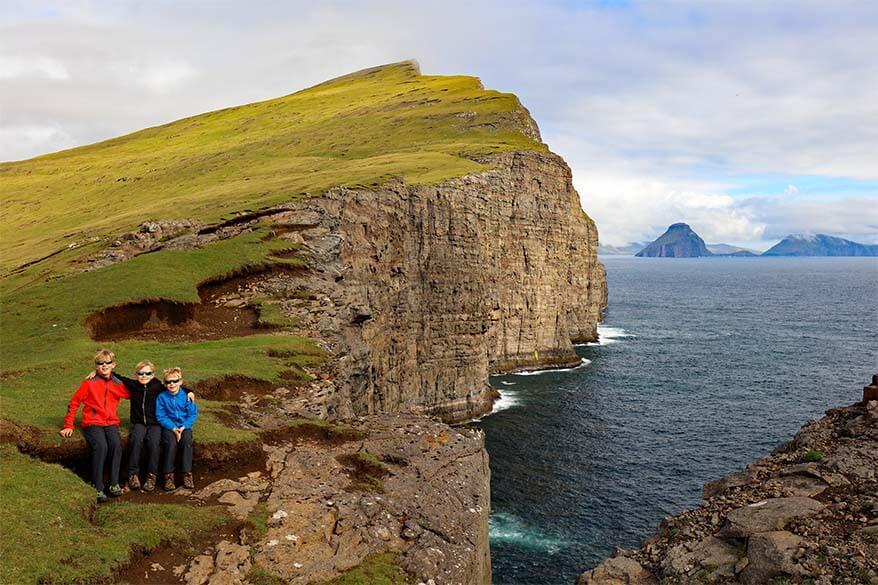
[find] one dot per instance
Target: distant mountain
(729, 250)
(819, 245)
(678, 242)
(629, 249)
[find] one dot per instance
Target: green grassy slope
(361, 129)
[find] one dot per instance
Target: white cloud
(12, 67)
(31, 140)
(160, 78)
(791, 191)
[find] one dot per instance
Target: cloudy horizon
(747, 121)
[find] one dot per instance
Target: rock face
(419, 292)
(819, 245)
(488, 273)
(404, 484)
(806, 513)
(679, 241)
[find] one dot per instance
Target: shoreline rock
(807, 513)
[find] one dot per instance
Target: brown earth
(220, 314)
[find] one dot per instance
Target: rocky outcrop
(407, 485)
(440, 285)
(806, 513)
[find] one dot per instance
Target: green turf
(47, 534)
(361, 129)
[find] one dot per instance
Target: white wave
(508, 399)
(510, 529)
(584, 362)
(505, 383)
(608, 335)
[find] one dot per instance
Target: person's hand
(179, 433)
(191, 396)
(66, 432)
(90, 374)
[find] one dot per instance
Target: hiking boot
(149, 484)
(187, 481)
(102, 497)
(133, 482)
(169, 482)
(114, 490)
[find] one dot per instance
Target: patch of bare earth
(220, 313)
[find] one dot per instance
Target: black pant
(153, 436)
(104, 442)
(169, 440)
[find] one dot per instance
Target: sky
(748, 120)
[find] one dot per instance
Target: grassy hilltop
(361, 129)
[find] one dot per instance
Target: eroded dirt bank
(807, 513)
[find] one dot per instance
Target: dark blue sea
(704, 365)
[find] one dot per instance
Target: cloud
(12, 67)
(791, 191)
(161, 77)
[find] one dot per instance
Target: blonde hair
(169, 371)
(144, 364)
(105, 354)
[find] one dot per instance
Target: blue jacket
(174, 410)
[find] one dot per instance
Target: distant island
(681, 241)
(819, 245)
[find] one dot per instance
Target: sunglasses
(103, 363)
(144, 373)
(177, 381)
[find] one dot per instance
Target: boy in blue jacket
(176, 414)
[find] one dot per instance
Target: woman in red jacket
(100, 395)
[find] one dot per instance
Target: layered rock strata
(445, 283)
(807, 513)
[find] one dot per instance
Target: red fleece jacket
(100, 397)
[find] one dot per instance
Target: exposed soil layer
(231, 387)
(162, 563)
(214, 317)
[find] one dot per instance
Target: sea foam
(608, 335)
(504, 528)
(584, 362)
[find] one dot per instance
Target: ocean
(703, 366)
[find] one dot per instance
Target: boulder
(723, 484)
(711, 556)
(618, 571)
(767, 516)
(772, 555)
